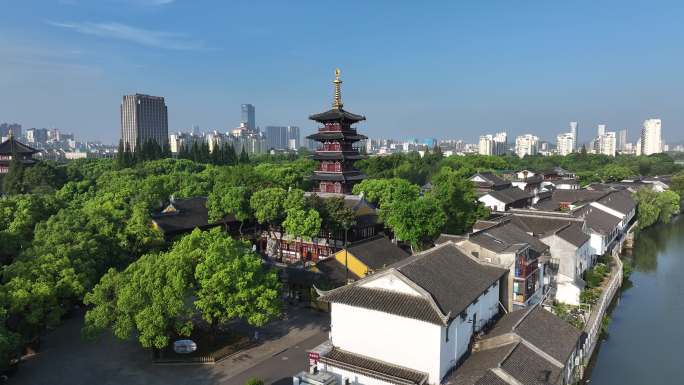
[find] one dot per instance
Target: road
(278, 370)
(65, 359)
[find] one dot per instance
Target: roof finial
(337, 102)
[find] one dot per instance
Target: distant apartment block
(526, 145)
(143, 117)
(15, 128)
(493, 144)
(651, 137)
(622, 140)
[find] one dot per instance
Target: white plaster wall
(492, 203)
(596, 242)
(461, 331)
(387, 337)
(390, 282)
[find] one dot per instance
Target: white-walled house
(413, 322)
(502, 200)
(505, 244)
(571, 251)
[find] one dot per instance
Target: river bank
(643, 340)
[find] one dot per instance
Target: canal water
(645, 342)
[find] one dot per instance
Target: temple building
(12, 146)
(335, 172)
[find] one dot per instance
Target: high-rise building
(276, 137)
(293, 138)
(601, 129)
(622, 140)
(248, 116)
(37, 135)
(573, 131)
(526, 145)
(143, 117)
(5, 129)
(651, 137)
(493, 144)
(606, 144)
(565, 143)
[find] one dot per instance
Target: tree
(416, 222)
(677, 183)
(668, 202)
(615, 173)
(13, 182)
(456, 196)
(151, 297)
(268, 209)
(386, 192)
(233, 283)
(244, 158)
(227, 200)
(647, 207)
(302, 223)
(9, 342)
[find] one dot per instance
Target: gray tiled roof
(492, 179)
(477, 366)
(378, 252)
(620, 201)
(597, 219)
(386, 301)
(573, 233)
(537, 331)
(189, 214)
(577, 196)
(373, 367)
(543, 329)
(510, 195)
(452, 279)
(449, 238)
(538, 225)
(507, 237)
(528, 367)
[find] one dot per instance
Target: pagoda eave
(337, 115)
(336, 177)
(336, 135)
(337, 156)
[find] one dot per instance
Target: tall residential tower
(651, 137)
(143, 117)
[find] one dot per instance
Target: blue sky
(452, 69)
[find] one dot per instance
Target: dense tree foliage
(654, 207)
(206, 273)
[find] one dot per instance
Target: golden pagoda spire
(337, 102)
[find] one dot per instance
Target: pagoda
(12, 147)
(335, 172)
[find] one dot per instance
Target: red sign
(313, 358)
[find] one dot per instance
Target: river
(645, 343)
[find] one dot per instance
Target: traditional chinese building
(12, 146)
(335, 172)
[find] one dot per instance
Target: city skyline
(453, 71)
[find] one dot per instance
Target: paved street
(66, 359)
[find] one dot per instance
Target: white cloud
(146, 37)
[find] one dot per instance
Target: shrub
(254, 381)
(590, 296)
